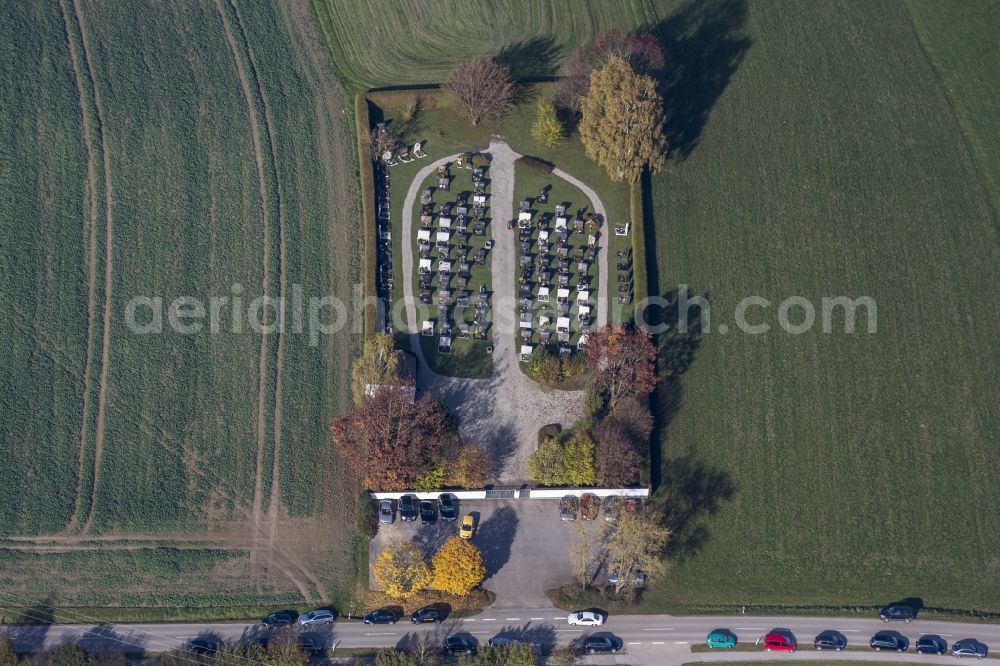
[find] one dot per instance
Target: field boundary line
(102, 391)
(90, 245)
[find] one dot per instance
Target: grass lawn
(858, 468)
(210, 164)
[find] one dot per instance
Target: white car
(586, 619)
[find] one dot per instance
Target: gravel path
(505, 411)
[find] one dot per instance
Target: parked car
(318, 616)
(447, 507)
(590, 504)
(638, 579)
(427, 614)
(778, 641)
(460, 644)
(568, 506)
(720, 638)
(468, 527)
(969, 647)
(277, 619)
(386, 514)
(310, 645)
(613, 507)
(381, 616)
(586, 618)
(930, 644)
(204, 645)
(830, 640)
(408, 508)
(601, 643)
(889, 640)
(428, 512)
(897, 612)
(501, 641)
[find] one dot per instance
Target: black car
(381, 616)
(310, 645)
(830, 640)
(408, 508)
(888, 640)
(204, 645)
(593, 644)
(427, 614)
(277, 620)
(930, 644)
(460, 644)
(897, 612)
(446, 504)
(428, 513)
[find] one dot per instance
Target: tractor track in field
(102, 391)
(90, 244)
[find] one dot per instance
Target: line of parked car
(410, 507)
(783, 640)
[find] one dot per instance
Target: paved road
(649, 639)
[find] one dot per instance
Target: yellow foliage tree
(547, 130)
(400, 570)
(470, 468)
(458, 567)
(622, 123)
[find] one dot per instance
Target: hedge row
(535, 164)
(367, 177)
(637, 214)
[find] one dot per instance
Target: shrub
(535, 164)
(431, 481)
(550, 431)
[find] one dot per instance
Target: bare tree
(382, 140)
(586, 551)
(636, 543)
(481, 88)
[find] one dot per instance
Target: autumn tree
(635, 543)
(639, 49)
(586, 549)
(389, 442)
(377, 366)
(482, 89)
(563, 464)
(469, 468)
(547, 130)
(622, 123)
(400, 570)
(617, 455)
(623, 360)
(458, 567)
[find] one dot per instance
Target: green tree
(400, 570)
(622, 123)
(458, 567)
(545, 465)
(547, 130)
(390, 657)
(501, 655)
(377, 366)
(578, 461)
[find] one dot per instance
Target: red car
(778, 642)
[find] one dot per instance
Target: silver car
(319, 616)
(386, 512)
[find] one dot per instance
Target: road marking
(470, 620)
(635, 643)
(680, 642)
(559, 617)
(512, 619)
(489, 619)
(389, 633)
(657, 642)
(538, 618)
(948, 635)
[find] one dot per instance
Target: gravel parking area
(524, 544)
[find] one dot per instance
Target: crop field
(848, 155)
(196, 152)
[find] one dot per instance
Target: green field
(176, 152)
(819, 150)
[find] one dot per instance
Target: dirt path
(255, 134)
(102, 392)
(505, 411)
(90, 244)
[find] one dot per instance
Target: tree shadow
(30, 627)
(704, 44)
(691, 490)
(530, 59)
(542, 636)
(105, 638)
(494, 537)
